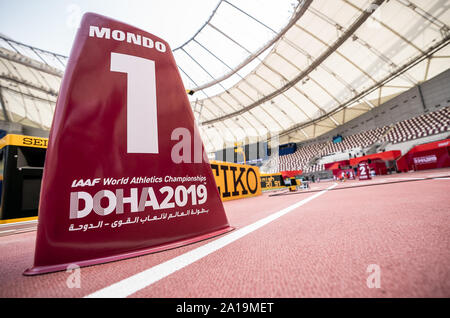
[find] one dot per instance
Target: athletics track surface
(315, 244)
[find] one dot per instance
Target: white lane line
(18, 223)
(417, 178)
(134, 283)
(408, 178)
(6, 231)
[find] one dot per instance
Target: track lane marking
(409, 178)
(19, 220)
(5, 225)
(141, 280)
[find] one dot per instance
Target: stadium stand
(417, 127)
(421, 126)
(299, 159)
(362, 140)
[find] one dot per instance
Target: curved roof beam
(6, 114)
(262, 108)
(28, 85)
(387, 27)
(295, 18)
(424, 14)
(229, 105)
(200, 65)
(31, 96)
(229, 93)
(261, 94)
(207, 137)
(36, 51)
(337, 52)
(228, 128)
(201, 28)
(306, 54)
(285, 96)
(238, 102)
(212, 54)
(196, 62)
(295, 87)
(251, 17)
(236, 123)
(13, 57)
(400, 70)
(331, 49)
(186, 74)
(34, 74)
(385, 59)
(223, 123)
(360, 41)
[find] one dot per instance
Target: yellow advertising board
(20, 140)
(236, 181)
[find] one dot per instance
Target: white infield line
(408, 178)
(134, 283)
(18, 223)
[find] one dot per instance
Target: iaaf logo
(87, 183)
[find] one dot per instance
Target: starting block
(293, 186)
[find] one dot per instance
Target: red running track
(321, 249)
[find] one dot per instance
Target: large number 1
(142, 119)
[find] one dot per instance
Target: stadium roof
(253, 77)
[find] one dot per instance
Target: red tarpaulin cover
(431, 146)
(387, 155)
(290, 174)
(336, 164)
(379, 167)
(402, 163)
(429, 156)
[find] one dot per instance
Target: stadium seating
(421, 126)
(362, 140)
(418, 127)
(299, 160)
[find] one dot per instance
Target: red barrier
(402, 164)
(379, 166)
(429, 156)
(336, 165)
(387, 155)
(291, 174)
(444, 143)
